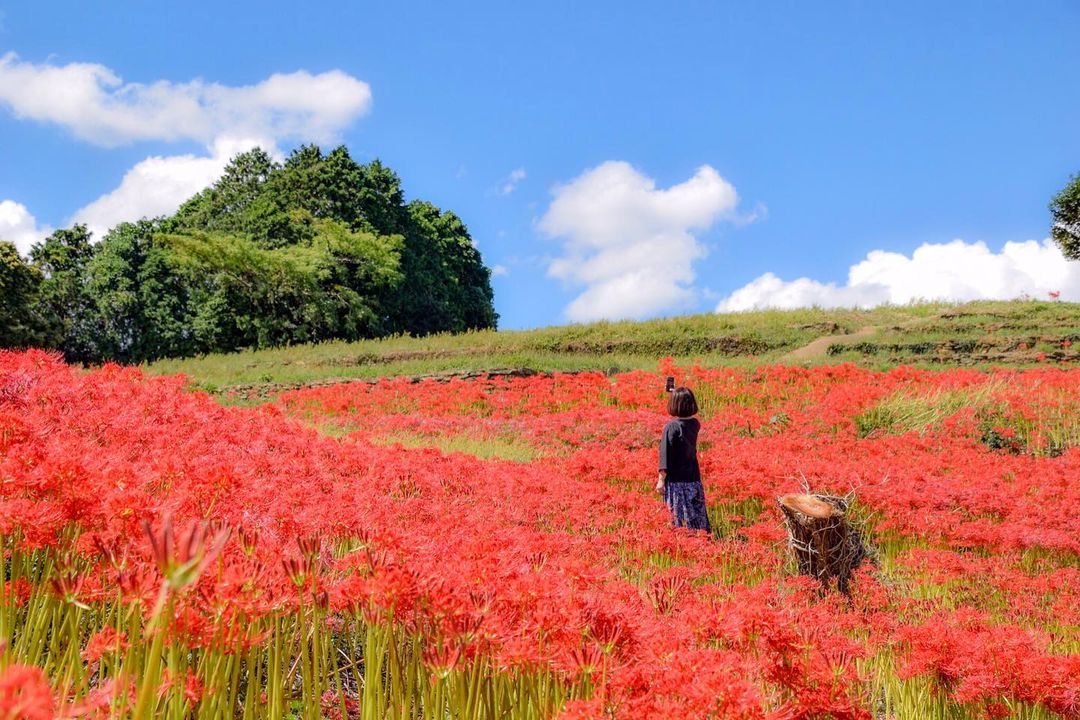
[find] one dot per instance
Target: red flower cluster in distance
(492, 548)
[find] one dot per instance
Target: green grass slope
(982, 334)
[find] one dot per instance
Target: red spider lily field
(493, 548)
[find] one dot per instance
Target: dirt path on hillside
(817, 348)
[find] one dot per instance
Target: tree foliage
(451, 288)
(445, 287)
(1065, 208)
(20, 325)
(63, 302)
(314, 248)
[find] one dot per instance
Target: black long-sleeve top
(678, 450)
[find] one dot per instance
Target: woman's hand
(660, 481)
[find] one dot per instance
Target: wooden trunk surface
(824, 544)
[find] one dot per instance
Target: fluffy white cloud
(158, 185)
(499, 271)
(95, 104)
(98, 106)
(18, 226)
(956, 270)
(630, 244)
(512, 180)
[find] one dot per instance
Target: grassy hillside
(1018, 333)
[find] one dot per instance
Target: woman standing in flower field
(679, 480)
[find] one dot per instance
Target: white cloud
(96, 105)
(499, 270)
(18, 226)
(630, 244)
(957, 271)
(512, 180)
(158, 185)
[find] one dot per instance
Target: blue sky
(671, 159)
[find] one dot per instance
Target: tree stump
(825, 545)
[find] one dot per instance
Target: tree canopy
(20, 283)
(1065, 208)
(315, 248)
(445, 287)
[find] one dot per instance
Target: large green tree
(63, 301)
(314, 248)
(449, 287)
(141, 310)
(20, 325)
(164, 294)
(1065, 208)
(242, 295)
(445, 285)
(225, 206)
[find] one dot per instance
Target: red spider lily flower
(107, 640)
(309, 546)
(587, 658)
(518, 565)
(192, 686)
(664, 592)
(67, 584)
(180, 560)
(102, 701)
(25, 694)
(298, 569)
(441, 658)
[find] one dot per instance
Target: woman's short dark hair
(682, 403)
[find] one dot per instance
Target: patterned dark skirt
(686, 500)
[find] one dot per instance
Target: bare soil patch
(820, 347)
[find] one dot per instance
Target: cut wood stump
(826, 546)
